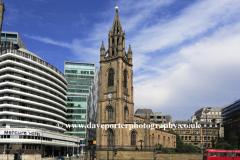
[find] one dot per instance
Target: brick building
(192, 135)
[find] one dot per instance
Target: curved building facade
(32, 103)
(32, 92)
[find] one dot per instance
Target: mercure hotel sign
(11, 132)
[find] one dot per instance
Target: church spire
(116, 28)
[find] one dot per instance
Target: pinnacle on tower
(129, 50)
(102, 46)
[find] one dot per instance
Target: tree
(223, 145)
(183, 147)
(159, 146)
(233, 141)
(213, 143)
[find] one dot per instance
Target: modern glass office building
(82, 81)
(231, 120)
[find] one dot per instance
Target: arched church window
(152, 139)
(133, 138)
(110, 112)
(163, 140)
(126, 113)
(113, 53)
(111, 137)
(125, 78)
(110, 77)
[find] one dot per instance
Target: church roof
(144, 111)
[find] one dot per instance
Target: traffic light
(115, 152)
(16, 155)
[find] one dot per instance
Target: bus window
(221, 154)
(212, 154)
(238, 155)
(231, 154)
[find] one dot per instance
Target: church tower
(115, 97)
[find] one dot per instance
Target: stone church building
(115, 100)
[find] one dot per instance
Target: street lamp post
(206, 111)
(41, 144)
(108, 130)
(141, 143)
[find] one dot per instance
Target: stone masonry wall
(146, 155)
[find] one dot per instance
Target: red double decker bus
(215, 154)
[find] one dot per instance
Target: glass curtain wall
(80, 78)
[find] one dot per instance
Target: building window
(185, 138)
(125, 79)
(126, 113)
(133, 138)
(109, 112)
(111, 137)
(110, 77)
(164, 140)
(152, 139)
(189, 138)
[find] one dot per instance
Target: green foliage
(233, 141)
(186, 147)
(213, 143)
(179, 141)
(231, 144)
(223, 145)
(182, 147)
(159, 146)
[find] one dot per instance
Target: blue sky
(186, 54)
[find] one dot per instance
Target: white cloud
(206, 75)
(192, 21)
(49, 41)
(202, 71)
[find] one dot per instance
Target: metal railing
(125, 147)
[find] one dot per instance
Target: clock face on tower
(110, 96)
